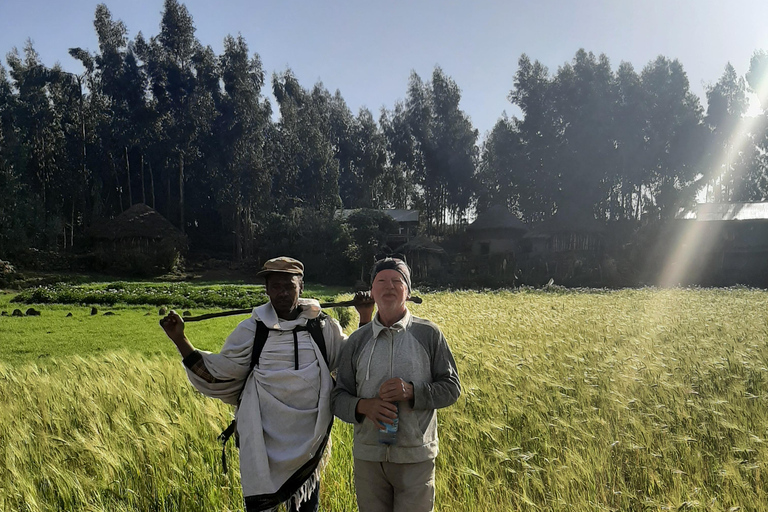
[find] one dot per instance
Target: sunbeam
(694, 234)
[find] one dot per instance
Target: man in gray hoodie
(397, 367)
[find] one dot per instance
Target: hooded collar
(266, 313)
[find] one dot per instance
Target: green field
(628, 400)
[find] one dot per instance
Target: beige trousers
(390, 487)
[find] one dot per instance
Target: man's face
(283, 291)
(389, 290)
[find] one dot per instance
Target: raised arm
(173, 325)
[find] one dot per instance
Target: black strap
(259, 340)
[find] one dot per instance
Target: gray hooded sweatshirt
(414, 350)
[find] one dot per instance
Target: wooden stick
(324, 305)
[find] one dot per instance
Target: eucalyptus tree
(726, 105)
(376, 184)
(583, 96)
(756, 179)
(454, 155)
(14, 204)
(629, 131)
(243, 180)
(402, 158)
(72, 182)
(500, 174)
(539, 133)
(306, 169)
(35, 121)
(431, 137)
(675, 138)
(361, 150)
(181, 73)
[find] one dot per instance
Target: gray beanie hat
(390, 263)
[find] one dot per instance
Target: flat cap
(282, 265)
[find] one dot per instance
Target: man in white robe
(283, 402)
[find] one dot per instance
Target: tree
(307, 171)
(726, 105)
(14, 205)
(755, 180)
(181, 74)
(539, 137)
(674, 137)
(434, 140)
(583, 94)
(242, 187)
(629, 130)
(35, 120)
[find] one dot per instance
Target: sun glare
(692, 241)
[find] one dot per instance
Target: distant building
(566, 248)
(137, 240)
(727, 243)
(423, 256)
(407, 221)
(496, 231)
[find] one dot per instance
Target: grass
(628, 400)
(127, 327)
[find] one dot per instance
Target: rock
(147, 313)
(94, 311)
(17, 312)
(4, 313)
(186, 313)
(69, 314)
(163, 310)
(109, 313)
(32, 312)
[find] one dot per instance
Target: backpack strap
(259, 340)
(315, 328)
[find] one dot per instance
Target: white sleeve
(334, 341)
(229, 367)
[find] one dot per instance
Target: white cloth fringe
(309, 485)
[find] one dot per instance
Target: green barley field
(572, 401)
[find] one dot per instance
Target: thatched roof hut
(137, 222)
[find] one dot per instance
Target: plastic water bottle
(387, 432)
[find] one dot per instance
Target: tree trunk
(128, 176)
(143, 190)
(152, 185)
(181, 192)
(238, 232)
(117, 180)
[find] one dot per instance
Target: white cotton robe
(284, 413)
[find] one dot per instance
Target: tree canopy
(225, 154)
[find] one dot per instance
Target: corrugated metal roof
(403, 215)
(725, 211)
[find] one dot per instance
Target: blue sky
(367, 49)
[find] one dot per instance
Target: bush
(7, 273)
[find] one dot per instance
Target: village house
(725, 244)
